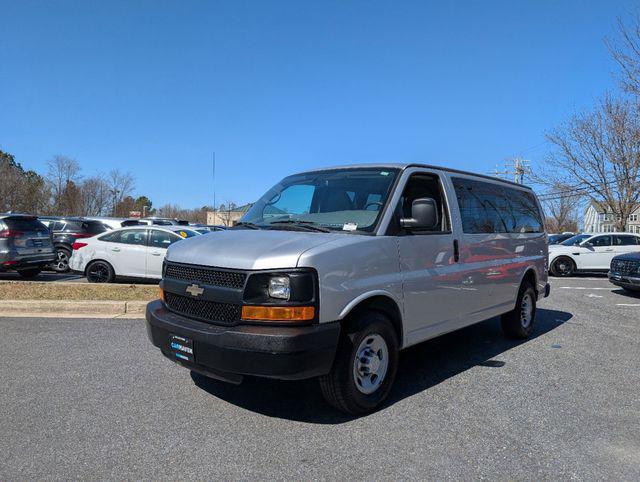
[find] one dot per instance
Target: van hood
(248, 248)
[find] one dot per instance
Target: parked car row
(30, 244)
(614, 252)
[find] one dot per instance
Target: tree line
(596, 152)
(63, 191)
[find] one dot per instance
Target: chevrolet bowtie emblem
(194, 290)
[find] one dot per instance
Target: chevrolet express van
(332, 272)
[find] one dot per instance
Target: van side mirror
(424, 215)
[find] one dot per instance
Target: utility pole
(520, 168)
(515, 167)
(213, 172)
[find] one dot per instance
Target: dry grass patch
(29, 290)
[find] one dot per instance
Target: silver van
(332, 272)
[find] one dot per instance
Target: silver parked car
(332, 272)
(26, 245)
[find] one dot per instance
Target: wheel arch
(380, 301)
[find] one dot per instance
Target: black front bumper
(624, 280)
(229, 352)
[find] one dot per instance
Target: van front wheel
(518, 323)
(365, 365)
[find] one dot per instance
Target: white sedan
(590, 252)
(134, 252)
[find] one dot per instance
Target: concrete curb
(74, 309)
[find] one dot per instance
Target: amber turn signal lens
(278, 313)
(161, 294)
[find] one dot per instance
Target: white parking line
(627, 304)
(583, 288)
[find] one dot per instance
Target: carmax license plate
(182, 348)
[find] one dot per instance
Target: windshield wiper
(245, 224)
(308, 225)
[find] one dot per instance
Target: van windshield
(348, 200)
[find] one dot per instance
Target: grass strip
(21, 290)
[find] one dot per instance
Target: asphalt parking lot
(93, 399)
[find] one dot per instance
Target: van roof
(405, 165)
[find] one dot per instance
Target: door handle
(608, 250)
(456, 251)
(117, 250)
(156, 253)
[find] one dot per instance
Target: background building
(227, 217)
(599, 219)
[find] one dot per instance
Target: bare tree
(121, 185)
(61, 170)
(561, 210)
(599, 152)
(94, 193)
(626, 53)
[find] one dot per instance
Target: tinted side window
(56, 226)
(625, 240)
(161, 239)
(492, 208)
(111, 237)
(92, 227)
(601, 241)
(136, 237)
(74, 226)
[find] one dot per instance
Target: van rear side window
(493, 208)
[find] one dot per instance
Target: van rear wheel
(518, 323)
(365, 365)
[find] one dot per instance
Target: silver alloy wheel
(526, 310)
(370, 364)
(62, 263)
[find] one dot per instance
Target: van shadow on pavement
(421, 367)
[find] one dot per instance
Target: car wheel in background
(29, 273)
(563, 266)
(100, 272)
(364, 367)
(518, 323)
(61, 264)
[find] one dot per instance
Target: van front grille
(205, 276)
(210, 311)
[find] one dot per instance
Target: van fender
(364, 296)
(533, 269)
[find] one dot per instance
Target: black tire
(340, 386)
(61, 264)
(29, 273)
(518, 323)
(563, 266)
(100, 272)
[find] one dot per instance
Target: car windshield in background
(575, 240)
(342, 200)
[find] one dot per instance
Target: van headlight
(282, 296)
(279, 287)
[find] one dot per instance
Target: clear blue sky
(275, 87)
